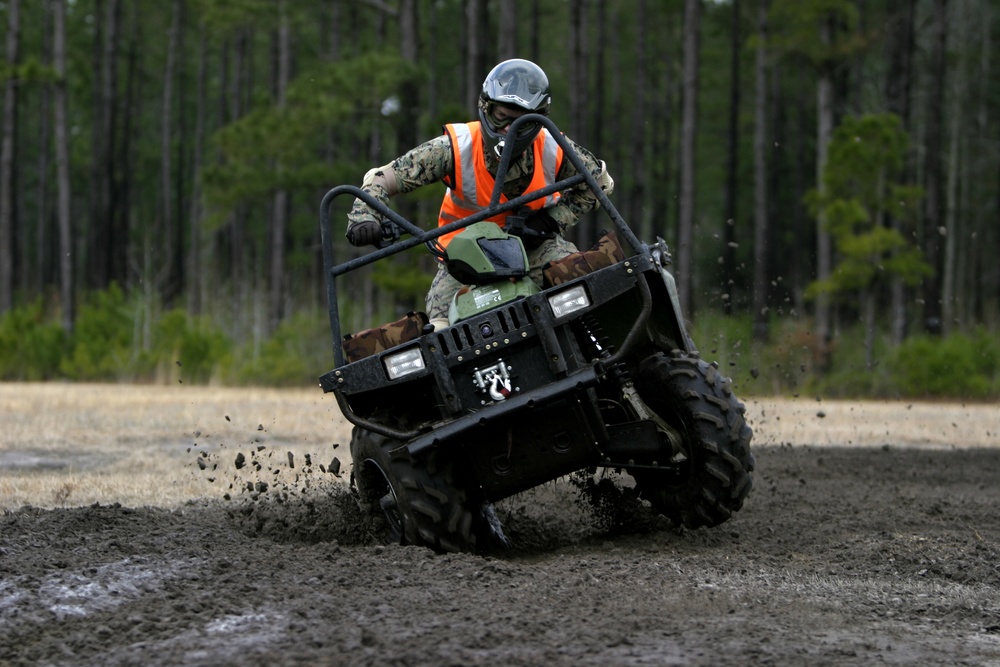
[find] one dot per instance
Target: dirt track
(866, 554)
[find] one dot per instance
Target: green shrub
(782, 365)
(986, 348)
(725, 340)
(30, 347)
(187, 348)
(959, 366)
(122, 338)
(101, 347)
(296, 354)
(849, 375)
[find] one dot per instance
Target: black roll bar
(420, 236)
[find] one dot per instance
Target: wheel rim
(387, 500)
(675, 470)
(673, 473)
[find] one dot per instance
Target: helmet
(511, 89)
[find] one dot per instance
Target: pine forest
(825, 172)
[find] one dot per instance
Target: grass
(69, 445)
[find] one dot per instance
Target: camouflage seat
(378, 339)
(606, 251)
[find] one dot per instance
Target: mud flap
(634, 440)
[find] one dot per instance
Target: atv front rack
(458, 347)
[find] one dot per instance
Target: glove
(364, 232)
(542, 224)
(538, 228)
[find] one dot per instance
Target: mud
(841, 556)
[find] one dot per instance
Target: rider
(466, 158)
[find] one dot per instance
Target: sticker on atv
(486, 297)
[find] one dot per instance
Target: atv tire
(419, 500)
(712, 479)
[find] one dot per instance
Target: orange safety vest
(470, 193)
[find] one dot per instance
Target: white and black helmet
(513, 87)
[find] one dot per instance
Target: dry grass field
(69, 445)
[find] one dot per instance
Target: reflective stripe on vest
(474, 184)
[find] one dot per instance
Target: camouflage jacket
(433, 160)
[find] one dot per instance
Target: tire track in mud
(840, 556)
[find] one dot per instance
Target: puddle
(28, 460)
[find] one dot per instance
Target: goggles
(500, 116)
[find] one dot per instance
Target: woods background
(822, 169)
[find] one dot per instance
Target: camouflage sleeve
(579, 200)
(428, 163)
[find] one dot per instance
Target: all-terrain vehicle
(528, 384)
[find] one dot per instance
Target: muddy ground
(846, 553)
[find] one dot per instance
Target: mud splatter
(842, 556)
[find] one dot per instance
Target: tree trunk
(636, 105)
(219, 243)
(237, 219)
(179, 177)
(43, 253)
(779, 135)
(598, 108)
(407, 133)
(599, 117)
(124, 181)
(934, 202)
(732, 163)
(409, 91)
(869, 306)
(761, 179)
(280, 216)
(898, 93)
(62, 167)
(615, 129)
(166, 201)
(689, 134)
(824, 247)
(507, 30)
(195, 281)
(953, 297)
(664, 200)
(800, 218)
(986, 198)
(577, 48)
(951, 226)
(111, 207)
(475, 17)
(432, 51)
(7, 138)
(100, 234)
(97, 234)
(535, 30)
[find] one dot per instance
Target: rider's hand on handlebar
(365, 232)
(539, 227)
(542, 224)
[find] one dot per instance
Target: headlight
(569, 301)
(403, 363)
